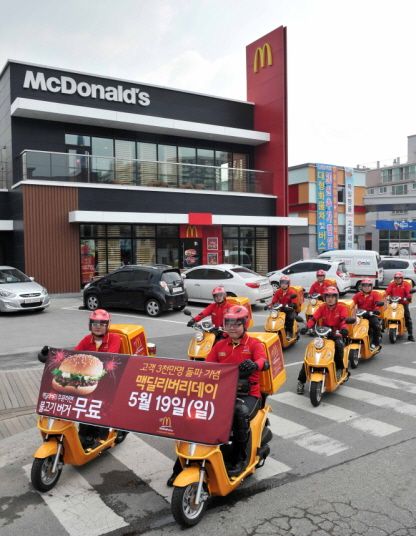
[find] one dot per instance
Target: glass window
(199, 273)
(92, 230)
(187, 173)
(240, 177)
(383, 234)
(168, 230)
(125, 162)
(212, 273)
(262, 232)
(341, 193)
(384, 247)
(167, 251)
(145, 230)
(224, 161)
(230, 232)
(145, 251)
(167, 171)
(262, 256)
(140, 275)
(119, 252)
(206, 175)
(119, 230)
(77, 139)
(102, 161)
(397, 174)
(230, 246)
(147, 166)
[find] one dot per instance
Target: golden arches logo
(165, 422)
(191, 231)
(261, 55)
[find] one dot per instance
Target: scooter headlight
(199, 337)
(318, 343)
(394, 306)
(313, 301)
(274, 314)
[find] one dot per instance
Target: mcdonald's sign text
(262, 55)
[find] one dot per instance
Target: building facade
(97, 172)
(331, 198)
(391, 205)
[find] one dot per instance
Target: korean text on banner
(349, 209)
(327, 210)
(192, 401)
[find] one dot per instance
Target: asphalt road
(346, 467)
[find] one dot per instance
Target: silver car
(18, 292)
(237, 281)
(391, 265)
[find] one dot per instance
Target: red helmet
(100, 315)
(398, 275)
(320, 272)
(218, 290)
(284, 279)
(237, 313)
(331, 291)
(367, 282)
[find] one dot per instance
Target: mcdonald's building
(97, 172)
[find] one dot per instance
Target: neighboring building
(99, 172)
(333, 206)
(391, 205)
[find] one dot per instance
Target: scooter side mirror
(187, 312)
(350, 320)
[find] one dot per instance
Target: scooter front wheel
(183, 506)
(316, 393)
(353, 358)
(41, 475)
(392, 335)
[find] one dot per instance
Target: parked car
(151, 288)
(237, 281)
(361, 264)
(19, 292)
(391, 265)
(303, 273)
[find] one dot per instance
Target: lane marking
(407, 371)
(305, 437)
(338, 414)
(379, 401)
(78, 507)
(392, 383)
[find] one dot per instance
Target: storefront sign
(349, 209)
(327, 237)
(396, 225)
(262, 54)
(188, 400)
(68, 86)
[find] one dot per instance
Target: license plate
(175, 290)
(31, 300)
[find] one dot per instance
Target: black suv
(152, 288)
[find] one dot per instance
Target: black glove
(191, 323)
(43, 354)
(246, 368)
(344, 331)
(266, 307)
(304, 330)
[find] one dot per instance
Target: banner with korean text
(326, 207)
(180, 399)
(349, 209)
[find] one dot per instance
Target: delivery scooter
(62, 441)
(311, 305)
(275, 323)
(319, 364)
(203, 340)
(394, 319)
(359, 346)
(204, 467)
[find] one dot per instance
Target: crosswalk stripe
(305, 437)
(148, 463)
(271, 468)
(78, 507)
(338, 414)
(392, 383)
(407, 371)
(379, 400)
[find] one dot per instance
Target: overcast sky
(351, 70)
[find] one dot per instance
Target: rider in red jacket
(216, 310)
(367, 299)
(100, 340)
(321, 284)
(401, 288)
(287, 296)
(331, 314)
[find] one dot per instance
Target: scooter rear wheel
(392, 335)
(184, 509)
(41, 475)
(353, 358)
(316, 393)
(121, 436)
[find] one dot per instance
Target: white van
(361, 264)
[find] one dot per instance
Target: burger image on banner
(78, 374)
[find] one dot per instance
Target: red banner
(188, 400)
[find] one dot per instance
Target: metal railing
(44, 165)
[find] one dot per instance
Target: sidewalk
(19, 390)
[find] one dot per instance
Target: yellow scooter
(359, 340)
(275, 323)
(319, 364)
(204, 467)
(62, 442)
(203, 340)
(394, 319)
(311, 305)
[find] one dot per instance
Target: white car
(18, 292)
(391, 265)
(303, 273)
(237, 281)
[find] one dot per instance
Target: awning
(87, 216)
(84, 115)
